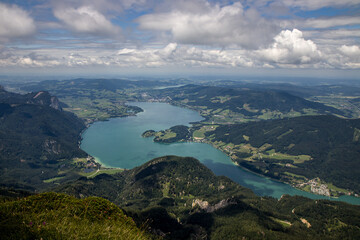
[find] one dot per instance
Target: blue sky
(184, 37)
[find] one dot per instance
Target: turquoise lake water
(118, 143)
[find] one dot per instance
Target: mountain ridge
(37, 139)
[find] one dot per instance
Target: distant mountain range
(250, 104)
(71, 86)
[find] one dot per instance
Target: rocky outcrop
(52, 147)
(204, 205)
(44, 98)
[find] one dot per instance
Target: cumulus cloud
(350, 51)
(351, 56)
(290, 47)
(15, 22)
(201, 23)
(86, 20)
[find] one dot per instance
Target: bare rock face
(204, 205)
(55, 103)
(51, 146)
(44, 98)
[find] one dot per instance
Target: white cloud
(344, 57)
(350, 51)
(175, 55)
(290, 48)
(22, 58)
(351, 56)
(86, 20)
(203, 24)
(15, 22)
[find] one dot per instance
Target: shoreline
(273, 179)
(227, 154)
(88, 123)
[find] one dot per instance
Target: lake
(118, 143)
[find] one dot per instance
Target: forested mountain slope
(332, 145)
(181, 199)
(36, 137)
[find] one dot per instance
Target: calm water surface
(118, 143)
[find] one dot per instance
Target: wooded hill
(36, 139)
(250, 104)
(181, 199)
(333, 144)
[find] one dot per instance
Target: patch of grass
(285, 224)
(247, 138)
(284, 134)
(59, 216)
(336, 189)
(295, 175)
(199, 134)
(166, 189)
(167, 135)
(309, 111)
(281, 156)
(249, 109)
(109, 171)
(52, 179)
(307, 188)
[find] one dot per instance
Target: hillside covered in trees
(229, 105)
(181, 199)
(37, 139)
(331, 143)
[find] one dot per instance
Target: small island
(149, 133)
(179, 133)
